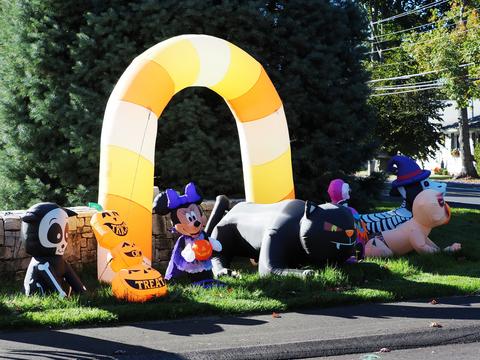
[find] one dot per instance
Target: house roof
(473, 122)
(450, 115)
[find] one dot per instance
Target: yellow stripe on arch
(179, 59)
(241, 76)
(273, 181)
(128, 175)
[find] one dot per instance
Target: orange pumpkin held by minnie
(202, 249)
(193, 250)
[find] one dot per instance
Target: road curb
(332, 347)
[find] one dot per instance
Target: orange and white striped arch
(144, 90)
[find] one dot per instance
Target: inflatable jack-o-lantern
(202, 249)
(109, 228)
(133, 280)
(138, 284)
(125, 255)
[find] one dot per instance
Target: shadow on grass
(363, 282)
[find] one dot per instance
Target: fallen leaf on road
(435, 324)
(382, 350)
(276, 315)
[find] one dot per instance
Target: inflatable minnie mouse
(193, 250)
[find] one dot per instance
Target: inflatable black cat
(283, 236)
(45, 233)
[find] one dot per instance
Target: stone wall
(82, 245)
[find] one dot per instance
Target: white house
(448, 156)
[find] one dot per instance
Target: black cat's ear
(310, 207)
(160, 204)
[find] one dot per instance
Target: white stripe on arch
(214, 54)
(265, 139)
(130, 126)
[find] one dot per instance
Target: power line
(382, 50)
(417, 85)
(408, 76)
(420, 26)
(407, 91)
(380, 65)
(402, 31)
(421, 8)
(422, 41)
(414, 88)
(416, 32)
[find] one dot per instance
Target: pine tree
(36, 161)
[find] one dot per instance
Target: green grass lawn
(411, 277)
(440, 177)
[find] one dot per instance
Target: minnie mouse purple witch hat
(407, 171)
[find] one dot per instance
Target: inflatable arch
(144, 90)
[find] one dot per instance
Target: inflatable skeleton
(45, 233)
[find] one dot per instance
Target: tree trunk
(464, 143)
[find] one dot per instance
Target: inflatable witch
(411, 180)
(45, 232)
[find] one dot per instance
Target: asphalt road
(360, 329)
(458, 195)
(444, 352)
(463, 195)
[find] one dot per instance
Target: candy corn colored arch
(144, 90)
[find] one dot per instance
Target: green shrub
(476, 155)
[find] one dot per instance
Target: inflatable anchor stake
(46, 267)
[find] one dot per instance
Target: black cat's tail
(222, 205)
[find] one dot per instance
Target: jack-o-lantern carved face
(125, 255)
(138, 284)
(202, 249)
(109, 228)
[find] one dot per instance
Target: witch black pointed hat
(407, 170)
